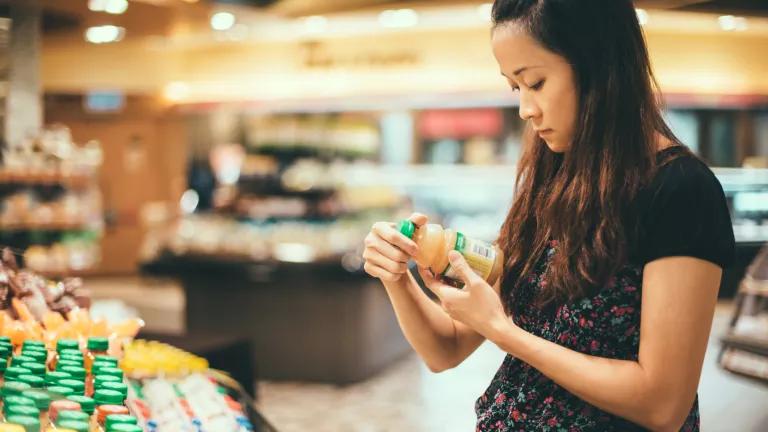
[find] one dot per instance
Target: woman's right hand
(387, 251)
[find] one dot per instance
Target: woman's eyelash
(536, 86)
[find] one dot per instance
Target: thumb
(460, 266)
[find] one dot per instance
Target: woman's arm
(440, 341)
(657, 391)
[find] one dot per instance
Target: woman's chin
(555, 147)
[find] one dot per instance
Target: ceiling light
(400, 18)
(115, 7)
(642, 16)
(222, 21)
(104, 34)
(732, 23)
(176, 91)
(485, 11)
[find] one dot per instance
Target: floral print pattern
(520, 398)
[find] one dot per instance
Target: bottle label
(479, 255)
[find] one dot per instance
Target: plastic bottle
(3, 368)
(29, 423)
(104, 411)
(77, 386)
(77, 426)
(34, 381)
(14, 372)
(435, 242)
(37, 369)
(115, 419)
(42, 402)
(61, 406)
(22, 411)
(96, 346)
(53, 378)
(125, 428)
(61, 345)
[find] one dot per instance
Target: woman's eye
(538, 85)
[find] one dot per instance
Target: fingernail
(453, 256)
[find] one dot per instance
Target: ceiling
(157, 17)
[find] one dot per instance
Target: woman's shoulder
(681, 173)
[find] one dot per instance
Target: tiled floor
(407, 397)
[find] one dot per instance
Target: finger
(384, 262)
(462, 268)
(430, 281)
(418, 219)
(378, 272)
(389, 251)
(389, 234)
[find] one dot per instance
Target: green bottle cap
(98, 364)
(62, 363)
(116, 386)
(98, 344)
(77, 426)
(63, 344)
(18, 400)
(117, 372)
(71, 358)
(39, 356)
(124, 427)
(88, 405)
(3, 364)
(52, 378)
(407, 228)
(76, 371)
(21, 410)
(5, 339)
(36, 368)
(5, 351)
(16, 371)
(41, 398)
(100, 380)
(76, 385)
(19, 359)
(108, 397)
(106, 359)
(116, 419)
(30, 424)
(14, 389)
(33, 380)
(71, 352)
(30, 342)
(61, 391)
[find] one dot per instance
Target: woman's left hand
(477, 305)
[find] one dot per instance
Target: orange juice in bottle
(435, 242)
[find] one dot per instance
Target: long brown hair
(582, 198)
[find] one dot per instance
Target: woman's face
(545, 80)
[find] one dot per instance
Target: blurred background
(213, 166)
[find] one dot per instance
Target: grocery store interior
(193, 180)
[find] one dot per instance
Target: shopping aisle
(409, 397)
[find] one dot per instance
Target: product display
(50, 202)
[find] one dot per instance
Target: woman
(615, 242)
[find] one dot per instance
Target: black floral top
(682, 213)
